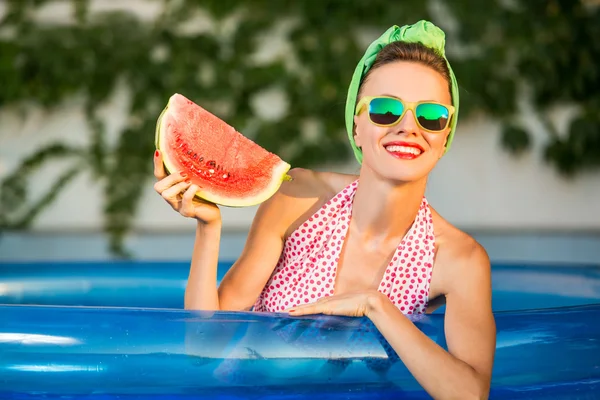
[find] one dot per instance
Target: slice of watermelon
(230, 169)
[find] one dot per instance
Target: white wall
(476, 186)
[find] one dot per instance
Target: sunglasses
(388, 111)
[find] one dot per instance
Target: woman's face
(403, 152)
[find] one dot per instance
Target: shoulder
(461, 260)
(310, 183)
(300, 197)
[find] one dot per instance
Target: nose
(407, 125)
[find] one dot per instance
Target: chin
(400, 158)
(405, 177)
(399, 171)
(396, 174)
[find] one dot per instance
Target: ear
(356, 136)
(447, 134)
(445, 144)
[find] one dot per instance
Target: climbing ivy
(545, 49)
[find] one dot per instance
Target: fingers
(169, 181)
(298, 311)
(187, 201)
(317, 307)
(171, 195)
(159, 167)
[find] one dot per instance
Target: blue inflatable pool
(117, 331)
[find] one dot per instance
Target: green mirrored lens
(433, 117)
(385, 111)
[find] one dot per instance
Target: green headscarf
(423, 32)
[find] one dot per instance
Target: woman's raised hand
(178, 191)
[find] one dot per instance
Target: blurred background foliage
(547, 50)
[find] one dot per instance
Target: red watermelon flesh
(230, 169)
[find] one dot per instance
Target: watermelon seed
(211, 164)
(226, 175)
(201, 159)
(195, 156)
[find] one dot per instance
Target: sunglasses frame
(408, 105)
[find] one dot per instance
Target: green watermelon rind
(278, 176)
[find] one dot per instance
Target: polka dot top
(307, 267)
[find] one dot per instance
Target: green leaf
(546, 48)
(515, 139)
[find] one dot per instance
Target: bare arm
(275, 218)
(201, 289)
(244, 281)
(464, 372)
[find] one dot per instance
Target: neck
(385, 210)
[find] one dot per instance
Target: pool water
(116, 331)
(162, 284)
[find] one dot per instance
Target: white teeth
(403, 149)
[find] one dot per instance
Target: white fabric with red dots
(306, 270)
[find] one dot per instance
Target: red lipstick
(404, 150)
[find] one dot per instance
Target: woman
(369, 245)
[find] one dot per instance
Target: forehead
(410, 81)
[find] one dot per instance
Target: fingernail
(188, 181)
(183, 174)
(156, 153)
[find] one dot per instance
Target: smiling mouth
(403, 152)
